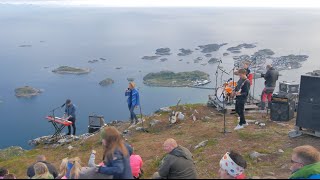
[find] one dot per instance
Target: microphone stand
(224, 116)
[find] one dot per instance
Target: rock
(71, 70)
(154, 122)
(180, 59)
(225, 54)
(165, 109)
(262, 124)
(163, 51)
(106, 82)
(202, 144)
(55, 146)
(126, 131)
(93, 61)
(194, 118)
(118, 68)
(271, 174)
(139, 129)
(150, 57)
(207, 118)
(213, 60)
(280, 151)
(62, 141)
(27, 92)
(70, 148)
(185, 52)
(103, 59)
(208, 55)
(256, 155)
(163, 59)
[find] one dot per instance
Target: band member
(246, 67)
(241, 93)
(271, 78)
(70, 114)
(133, 101)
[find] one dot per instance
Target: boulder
(256, 155)
(202, 144)
(154, 122)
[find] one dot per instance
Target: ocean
(74, 35)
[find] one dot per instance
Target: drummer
(245, 65)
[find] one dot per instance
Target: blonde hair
(307, 154)
(132, 84)
(75, 170)
(41, 170)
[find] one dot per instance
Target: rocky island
(106, 82)
(163, 59)
(27, 92)
(210, 47)
(213, 60)
(181, 79)
(289, 62)
(184, 52)
(163, 51)
(71, 70)
(150, 57)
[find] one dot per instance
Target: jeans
(133, 116)
(240, 111)
(73, 120)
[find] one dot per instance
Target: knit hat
(227, 164)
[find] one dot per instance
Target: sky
(173, 3)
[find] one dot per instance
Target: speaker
(289, 87)
(309, 103)
(282, 107)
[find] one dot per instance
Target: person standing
(271, 78)
(241, 93)
(70, 114)
(133, 101)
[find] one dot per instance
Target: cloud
(172, 3)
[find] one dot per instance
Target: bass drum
(220, 93)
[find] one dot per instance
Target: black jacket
(244, 86)
(178, 164)
(51, 168)
(271, 77)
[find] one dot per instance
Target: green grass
(252, 136)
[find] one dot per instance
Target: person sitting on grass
(70, 169)
(136, 164)
(41, 171)
(232, 166)
(3, 172)
(305, 163)
(42, 158)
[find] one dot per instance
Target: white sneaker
(238, 127)
(247, 124)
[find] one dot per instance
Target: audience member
(42, 158)
(3, 172)
(136, 164)
(232, 166)
(177, 164)
(41, 171)
(9, 176)
(70, 169)
(305, 163)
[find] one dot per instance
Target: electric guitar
(234, 93)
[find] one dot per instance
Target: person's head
(246, 65)
(3, 172)
(41, 158)
(232, 165)
(169, 145)
(242, 73)
(68, 102)
(9, 176)
(41, 169)
(74, 165)
(112, 140)
(269, 66)
(132, 85)
(303, 156)
(63, 167)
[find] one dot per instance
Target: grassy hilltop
(266, 140)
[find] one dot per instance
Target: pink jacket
(136, 164)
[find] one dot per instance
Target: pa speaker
(288, 87)
(309, 103)
(282, 107)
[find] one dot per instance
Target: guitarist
(241, 92)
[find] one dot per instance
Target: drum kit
(224, 93)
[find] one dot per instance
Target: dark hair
(238, 159)
(3, 172)
(68, 101)
(9, 176)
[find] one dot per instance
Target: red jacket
(136, 164)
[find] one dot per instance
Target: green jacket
(311, 171)
(178, 164)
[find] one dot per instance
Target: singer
(133, 101)
(70, 114)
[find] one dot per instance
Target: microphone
(63, 105)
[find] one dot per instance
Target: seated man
(232, 166)
(177, 164)
(51, 168)
(305, 162)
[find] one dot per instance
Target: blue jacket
(133, 98)
(119, 167)
(71, 110)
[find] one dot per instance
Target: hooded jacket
(311, 171)
(271, 77)
(178, 164)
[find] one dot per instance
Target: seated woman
(70, 168)
(116, 155)
(41, 171)
(232, 166)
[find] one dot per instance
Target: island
(210, 47)
(213, 60)
(130, 79)
(163, 59)
(288, 62)
(314, 73)
(103, 59)
(181, 79)
(163, 51)
(25, 45)
(185, 52)
(150, 57)
(106, 82)
(208, 55)
(225, 54)
(71, 70)
(27, 92)
(240, 46)
(93, 61)
(198, 59)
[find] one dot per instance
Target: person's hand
(93, 152)
(238, 93)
